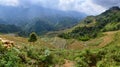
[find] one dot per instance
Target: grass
(56, 42)
(111, 26)
(116, 39)
(21, 40)
(44, 54)
(95, 42)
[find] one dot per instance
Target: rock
(7, 43)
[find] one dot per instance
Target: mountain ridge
(26, 17)
(91, 26)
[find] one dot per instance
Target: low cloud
(107, 3)
(85, 6)
(9, 2)
(91, 7)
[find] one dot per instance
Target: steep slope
(27, 16)
(9, 28)
(42, 54)
(93, 25)
(39, 27)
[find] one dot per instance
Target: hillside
(40, 17)
(59, 33)
(92, 26)
(94, 42)
(6, 28)
(45, 52)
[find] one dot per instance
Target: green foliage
(9, 58)
(9, 28)
(86, 59)
(84, 38)
(32, 56)
(45, 57)
(45, 25)
(33, 37)
(93, 25)
(81, 33)
(66, 22)
(28, 56)
(103, 57)
(112, 26)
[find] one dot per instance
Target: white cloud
(89, 7)
(69, 4)
(107, 3)
(85, 6)
(9, 2)
(49, 3)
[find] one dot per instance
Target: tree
(32, 37)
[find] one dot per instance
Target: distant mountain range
(38, 19)
(91, 26)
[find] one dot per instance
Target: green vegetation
(92, 26)
(45, 25)
(27, 56)
(111, 27)
(81, 33)
(95, 42)
(103, 57)
(43, 56)
(33, 37)
(102, 51)
(9, 28)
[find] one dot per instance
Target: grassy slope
(108, 43)
(22, 41)
(92, 26)
(56, 42)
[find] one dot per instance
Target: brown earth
(76, 45)
(108, 38)
(69, 63)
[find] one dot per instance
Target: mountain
(28, 17)
(9, 28)
(93, 25)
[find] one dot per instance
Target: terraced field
(56, 42)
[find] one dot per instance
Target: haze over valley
(59, 33)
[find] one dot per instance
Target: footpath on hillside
(107, 38)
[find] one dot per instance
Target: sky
(90, 7)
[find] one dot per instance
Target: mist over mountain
(28, 17)
(18, 14)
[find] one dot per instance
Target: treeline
(81, 33)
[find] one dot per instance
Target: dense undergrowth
(32, 56)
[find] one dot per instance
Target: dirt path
(107, 38)
(68, 63)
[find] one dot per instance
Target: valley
(70, 47)
(37, 19)
(59, 43)
(41, 37)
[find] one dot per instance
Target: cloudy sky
(91, 7)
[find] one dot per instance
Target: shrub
(33, 37)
